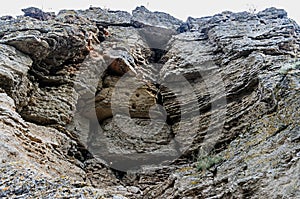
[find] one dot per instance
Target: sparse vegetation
(288, 67)
(205, 162)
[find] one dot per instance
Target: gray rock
(38, 13)
(106, 17)
(209, 109)
(46, 41)
(14, 68)
(143, 17)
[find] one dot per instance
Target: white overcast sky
(178, 8)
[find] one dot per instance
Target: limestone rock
(51, 105)
(106, 17)
(148, 106)
(13, 74)
(38, 13)
(144, 17)
(45, 41)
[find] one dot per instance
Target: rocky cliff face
(107, 104)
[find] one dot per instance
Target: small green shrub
(206, 162)
(291, 66)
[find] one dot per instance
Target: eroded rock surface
(104, 104)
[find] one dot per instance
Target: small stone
(133, 189)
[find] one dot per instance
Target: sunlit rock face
(100, 103)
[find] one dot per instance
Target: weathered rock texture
(80, 90)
